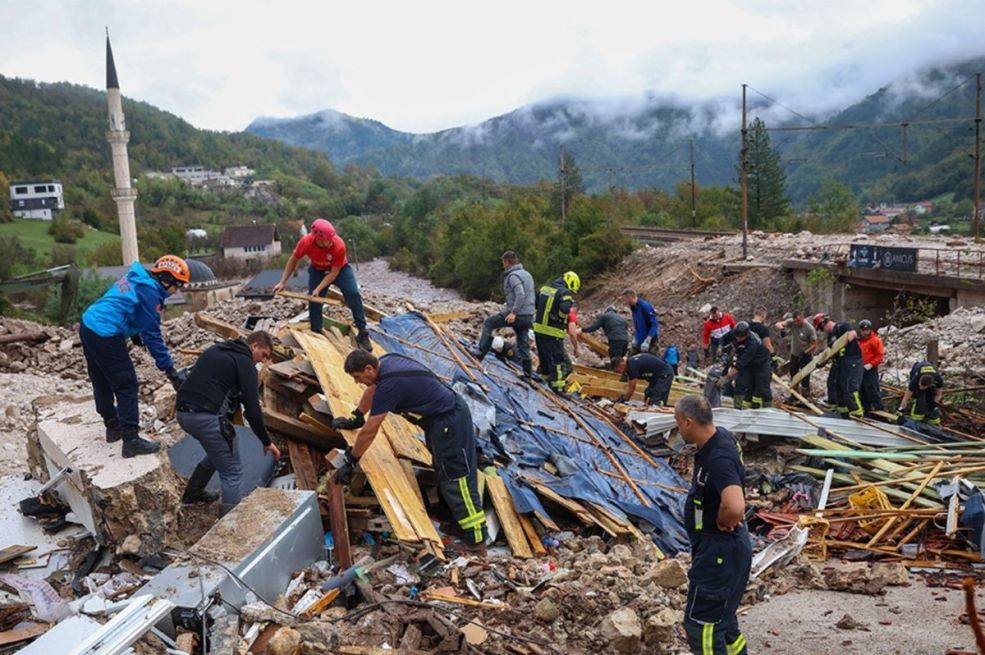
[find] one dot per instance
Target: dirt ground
(915, 620)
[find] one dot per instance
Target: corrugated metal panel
(774, 422)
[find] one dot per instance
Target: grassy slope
(34, 234)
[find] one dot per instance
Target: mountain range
(645, 142)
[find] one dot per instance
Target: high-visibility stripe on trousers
(718, 576)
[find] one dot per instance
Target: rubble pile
(961, 343)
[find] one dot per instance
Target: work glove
(176, 377)
(352, 422)
(344, 472)
(645, 346)
(776, 362)
(137, 341)
(900, 416)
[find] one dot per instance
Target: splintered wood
(508, 517)
(390, 482)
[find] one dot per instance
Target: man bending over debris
(224, 377)
(130, 309)
(925, 390)
(651, 368)
(325, 250)
(751, 370)
(517, 312)
(721, 551)
(395, 383)
(616, 330)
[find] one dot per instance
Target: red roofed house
(250, 242)
(876, 223)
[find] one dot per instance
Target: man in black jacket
(657, 373)
(616, 330)
(224, 377)
(751, 369)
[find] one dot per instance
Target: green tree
(571, 181)
(65, 230)
(767, 182)
(6, 216)
(834, 206)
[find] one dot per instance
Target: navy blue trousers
(113, 378)
(718, 576)
(346, 282)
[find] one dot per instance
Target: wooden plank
(793, 392)
(572, 506)
(819, 360)
(595, 345)
(412, 479)
(321, 604)
(507, 514)
(536, 545)
(340, 525)
(450, 316)
(888, 524)
(398, 500)
(220, 327)
(13, 552)
(22, 634)
(299, 430)
(305, 469)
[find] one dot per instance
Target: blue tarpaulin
(532, 426)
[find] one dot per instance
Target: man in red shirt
(873, 352)
(326, 251)
(716, 326)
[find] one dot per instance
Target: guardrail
(665, 234)
(950, 262)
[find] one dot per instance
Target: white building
(195, 175)
(250, 242)
(36, 199)
(238, 172)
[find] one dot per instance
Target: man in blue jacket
(646, 325)
(130, 309)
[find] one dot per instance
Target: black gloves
(344, 472)
(137, 341)
(176, 378)
(352, 422)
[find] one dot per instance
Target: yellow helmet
(572, 281)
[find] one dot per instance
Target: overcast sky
(427, 65)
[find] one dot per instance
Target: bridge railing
(966, 263)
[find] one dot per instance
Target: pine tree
(573, 183)
(767, 182)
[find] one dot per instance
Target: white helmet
(498, 344)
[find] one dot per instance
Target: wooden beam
(299, 430)
(535, 542)
(304, 464)
(793, 392)
(888, 524)
(340, 525)
(220, 327)
(449, 346)
(507, 514)
(595, 345)
(819, 360)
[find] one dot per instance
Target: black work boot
(362, 340)
(134, 445)
(113, 431)
(195, 491)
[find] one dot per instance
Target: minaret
(117, 135)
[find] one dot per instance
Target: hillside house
(875, 223)
(259, 242)
(36, 199)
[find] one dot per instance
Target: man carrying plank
(848, 369)
(395, 383)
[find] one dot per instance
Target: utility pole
(694, 214)
(561, 175)
(743, 174)
(610, 179)
(978, 155)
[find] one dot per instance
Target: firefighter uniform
(658, 374)
(848, 373)
(720, 561)
(550, 329)
(923, 408)
(410, 389)
(752, 381)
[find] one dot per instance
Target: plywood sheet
(508, 517)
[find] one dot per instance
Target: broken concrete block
(286, 641)
(893, 574)
(111, 496)
(668, 573)
(622, 631)
(130, 545)
(164, 399)
(659, 628)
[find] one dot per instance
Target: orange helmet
(173, 265)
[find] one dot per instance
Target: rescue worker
(223, 379)
(873, 353)
(517, 312)
(658, 374)
(505, 351)
(716, 326)
(616, 330)
(130, 309)
(803, 344)
(831, 384)
(922, 398)
(551, 322)
(721, 551)
(673, 357)
(848, 369)
(762, 330)
(646, 325)
(751, 369)
(326, 251)
(395, 383)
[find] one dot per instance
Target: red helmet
(322, 229)
(819, 320)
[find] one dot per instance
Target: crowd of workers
(744, 356)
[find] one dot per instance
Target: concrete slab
(111, 496)
(270, 535)
(17, 529)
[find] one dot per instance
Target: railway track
(670, 235)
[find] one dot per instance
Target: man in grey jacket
(616, 330)
(517, 312)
